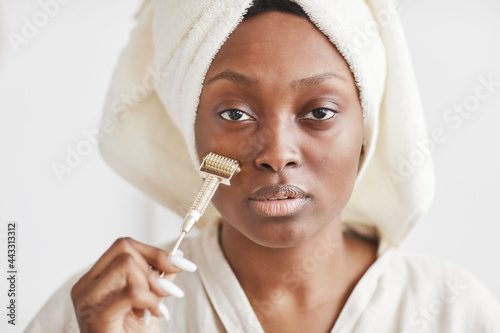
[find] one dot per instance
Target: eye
(234, 115)
(320, 114)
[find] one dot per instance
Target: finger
(145, 254)
(183, 264)
(119, 247)
(158, 258)
(180, 262)
(124, 270)
(121, 272)
(138, 251)
(170, 288)
(132, 298)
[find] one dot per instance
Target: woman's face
(280, 98)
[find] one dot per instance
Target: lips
(277, 201)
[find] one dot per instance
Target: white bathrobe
(400, 293)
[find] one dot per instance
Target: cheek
(230, 202)
(227, 199)
(206, 138)
(211, 136)
(337, 163)
(210, 140)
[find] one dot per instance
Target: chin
(279, 233)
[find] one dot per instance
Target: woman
(308, 231)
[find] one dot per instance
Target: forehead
(279, 43)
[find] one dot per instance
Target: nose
(278, 148)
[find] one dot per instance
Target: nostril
(266, 166)
(278, 167)
(289, 164)
(278, 156)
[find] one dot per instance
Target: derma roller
(215, 169)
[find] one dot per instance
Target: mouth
(274, 201)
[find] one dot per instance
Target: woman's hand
(123, 288)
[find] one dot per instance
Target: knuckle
(127, 261)
(74, 293)
(160, 257)
(75, 290)
(153, 275)
(123, 243)
(133, 292)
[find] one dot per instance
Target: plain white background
(53, 88)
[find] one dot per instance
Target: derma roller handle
(216, 169)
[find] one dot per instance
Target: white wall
(453, 44)
(53, 89)
(50, 92)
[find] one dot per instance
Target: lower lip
(278, 207)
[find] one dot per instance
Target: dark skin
(279, 98)
(282, 100)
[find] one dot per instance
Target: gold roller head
(221, 166)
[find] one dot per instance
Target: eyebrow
(311, 81)
(316, 79)
(234, 77)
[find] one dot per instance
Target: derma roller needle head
(220, 166)
(215, 169)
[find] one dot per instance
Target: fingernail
(164, 311)
(147, 317)
(170, 288)
(183, 264)
(178, 253)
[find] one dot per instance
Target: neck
(300, 272)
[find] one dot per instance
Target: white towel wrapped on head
(152, 142)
